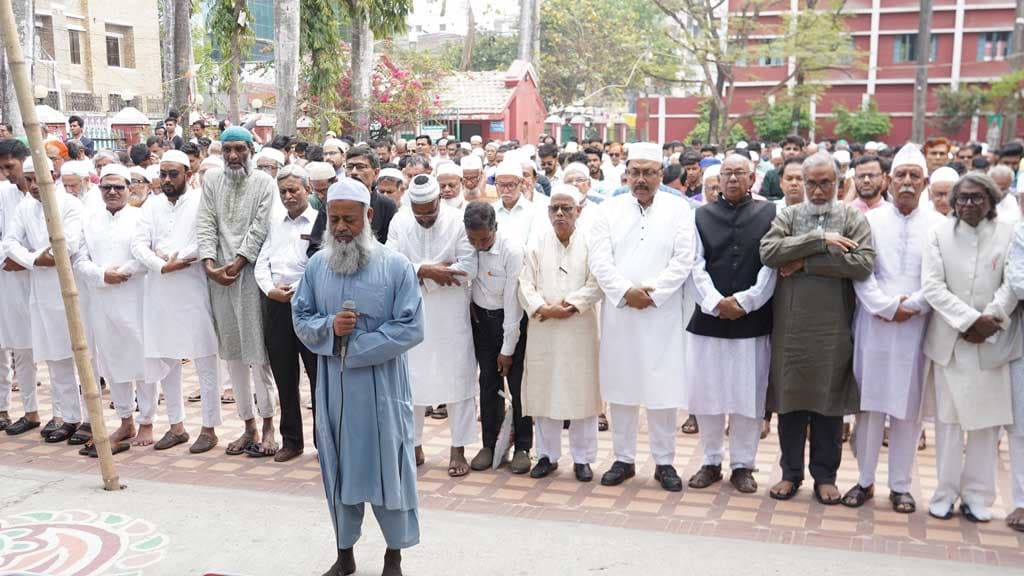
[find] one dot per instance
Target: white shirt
(496, 286)
(516, 222)
(282, 258)
(1008, 210)
(15, 321)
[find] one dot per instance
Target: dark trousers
(826, 445)
(284, 349)
(487, 338)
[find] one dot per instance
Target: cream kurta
(26, 240)
(887, 358)
(962, 279)
(15, 320)
(561, 373)
(443, 367)
(631, 247)
(177, 321)
(115, 310)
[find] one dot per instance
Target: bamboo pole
(20, 74)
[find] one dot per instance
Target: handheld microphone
(347, 306)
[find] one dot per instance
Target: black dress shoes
(543, 467)
(670, 481)
(583, 472)
(618, 473)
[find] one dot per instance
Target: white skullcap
(176, 156)
(509, 168)
(472, 162)
(78, 168)
(339, 144)
(645, 151)
(28, 167)
(711, 172)
(776, 153)
(491, 146)
(576, 167)
(292, 171)
(423, 189)
(881, 146)
(271, 154)
(476, 139)
(528, 151)
(871, 147)
(478, 152)
(141, 172)
(211, 162)
(465, 145)
(320, 171)
(393, 173)
(742, 144)
(909, 154)
(567, 190)
(572, 147)
(841, 156)
(153, 171)
(348, 189)
(754, 156)
(944, 174)
(449, 169)
(116, 170)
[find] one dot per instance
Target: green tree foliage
(223, 27)
(490, 52)
(775, 122)
(600, 49)
(862, 125)
(700, 131)
(956, 107)
(321, 35)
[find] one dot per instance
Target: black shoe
(62, 434)
(618, 473)
(670, 481)
(543, 467)
(583, 472)
(21, 426)
(346, 564)
(49, 428)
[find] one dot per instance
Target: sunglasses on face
(115, 187)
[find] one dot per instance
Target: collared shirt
(496, 286)
(282, 258)
(516, 222)
(861, 205)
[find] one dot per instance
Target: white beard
(819, 209)
(236, 176)
(346, 258)
(456, 202)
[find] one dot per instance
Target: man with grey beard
(358, 308)
(231, 227)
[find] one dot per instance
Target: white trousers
(744, 436)
(661, 429)
(1017, 467)
(966, 474)
(582, 439)
(461, 422)
(67, 401)
(126, 394)
(266, 395)
(209, 389)
(903, 436)
(24, 372)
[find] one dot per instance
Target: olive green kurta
(812, 336)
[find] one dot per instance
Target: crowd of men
(535, 289)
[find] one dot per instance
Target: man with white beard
(449, 180)
(177, 319)
(432, 236)
(231, 227)
(474, 185)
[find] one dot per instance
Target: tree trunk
(526, 14)
(1016, 63)
(798, 82)
(286, 64)
(235, 70)
(716, 112)
(362, 65)
(924, 50)
(467, 46)
(167, 43)
(535, 57)
(23, 9)
(182, 50)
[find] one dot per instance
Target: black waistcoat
(731, 236)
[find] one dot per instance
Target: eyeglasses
(729, 174)
(823, 185)
(976, 200)
(506, 185)
(646, 173)
(355, 167)
(574, 181)
(172, 174)
(138, 182)
(115, 187)
(561, 209)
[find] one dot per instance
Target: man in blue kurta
(365, 435)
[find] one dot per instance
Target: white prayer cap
(841, 156)
(153, 171)
(339, 144)
(141, 172)
(754, 156)
(471, 162)
(567, 190)
(572, 147)
(293, 171)
(479, 153)
(871, 147)
(509, 167)
(449, 169)
(28, 167)
(528, 151)
(645, 151)
(881, 145)
(491, 146)
(776, 153)
(176, 156)
(423, 189)
(476, 139)
(320, 171)
(116, 170)
(742, 144)
(577, 167)
(348, 189)
(393, 173)
(271, 154)
(711, 172)
(211, 162)
(909, 154)
(465, 145)
(78, 168)
(944, 174)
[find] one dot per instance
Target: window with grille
(120, 46)
(44, 36)
(905, 49)
(993, 46)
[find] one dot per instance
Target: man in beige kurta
(559, 292)
(969, 344)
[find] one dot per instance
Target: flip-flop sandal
(453, 471)
(822, 500)
(254, 450)
(785, 495)
(197, 398)
(238, 451)
(902, 499)
(225, 400)
(80, 437)
(690, 426)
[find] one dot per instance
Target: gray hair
(985, 183)
(293, 171)
(479, 216)
(818, 159)
(106, 154)
(1001, 170)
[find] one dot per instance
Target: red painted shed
(502, 105)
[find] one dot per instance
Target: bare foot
(1016, 520)
(124, 432)
(239, 445)
(458, 466)
(145, 435)
(784, 490)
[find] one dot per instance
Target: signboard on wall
(497, 126)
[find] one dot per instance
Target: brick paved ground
(718, 511)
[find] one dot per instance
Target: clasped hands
(227, 274)
(982, 329)
(440, 273)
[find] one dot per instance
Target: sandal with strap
(795, 486)
(902, 502)
(690, 426)
(821, 499)
(858, 495)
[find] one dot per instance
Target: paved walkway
(648, 514)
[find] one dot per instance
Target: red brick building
(501, 104)
(971, 40)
